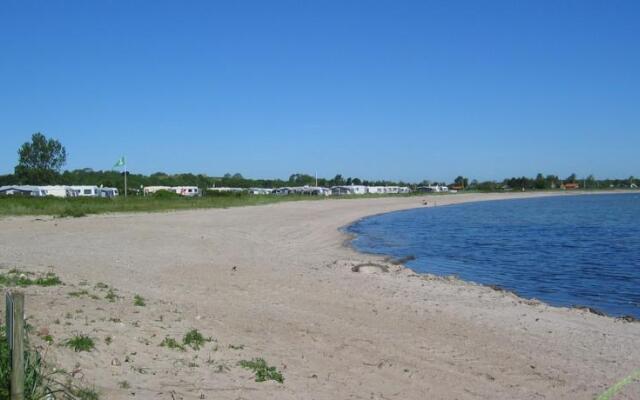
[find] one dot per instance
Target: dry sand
(277, 282)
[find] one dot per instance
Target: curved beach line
(351, 236)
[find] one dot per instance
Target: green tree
(461, 181)
(540, 182)
(40, 160)
(571, 179)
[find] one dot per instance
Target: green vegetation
(171, 343)
(111, 296)
(16, 277)
(40, 160)
(41, 381)
(70, 212)
(139, 301)
(263, 371)
(80, 206)
(194, 339)
(80, 343)
(79, 293)
(86, 394)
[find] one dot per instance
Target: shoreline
(348, 242)
(277, 282)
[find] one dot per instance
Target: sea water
(564, 250)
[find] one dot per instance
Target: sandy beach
(278, 282)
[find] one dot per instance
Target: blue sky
(374, 89)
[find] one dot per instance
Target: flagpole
(125, 179)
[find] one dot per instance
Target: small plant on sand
(80, 343)
(48, 339)
(86, 394)
(194, 339)
(124, 385)
(111, 296)
(139, 301)
(263, 371)
(171, 343)
(16, 277)
(101, 285)
(78, 293)
(108, 340)
(42, 381)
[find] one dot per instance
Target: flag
(119, 163)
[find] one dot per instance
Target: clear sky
(374, 89)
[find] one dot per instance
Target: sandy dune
(276, 282)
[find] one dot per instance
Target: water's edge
(351, 236)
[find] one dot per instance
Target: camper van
(85, 190)
(187, 191)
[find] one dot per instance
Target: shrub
(80, 343)
(171, 343)
(139, 301)
(263, 371)
(194, 339)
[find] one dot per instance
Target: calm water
(578, 250)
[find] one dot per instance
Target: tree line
(40, 162)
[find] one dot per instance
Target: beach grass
(81, 206)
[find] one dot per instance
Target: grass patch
(124, 385)
(111, 296)
(171, 343)
(80, 343)
(41, 380)
(71, 212)
(101, 285)
(139, 301)
(194, 339)
(78, 293)
(262, 371)
(80, 206)
(86, 394)
(16, 277)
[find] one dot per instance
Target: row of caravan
(317, 190)
(59, 191)
(187, 191)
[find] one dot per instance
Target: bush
(80, 343)
(263, 371)
(165, 194)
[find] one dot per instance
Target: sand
(278, 282)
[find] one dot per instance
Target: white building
(225, 190)
(58, 191)
(153, 189)
(282, 191)
(432, 189)
(346, 190)
(107, 192)
(377, 189)
(260, 191)
(24, 190)
(85, 190)
(187, 191)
